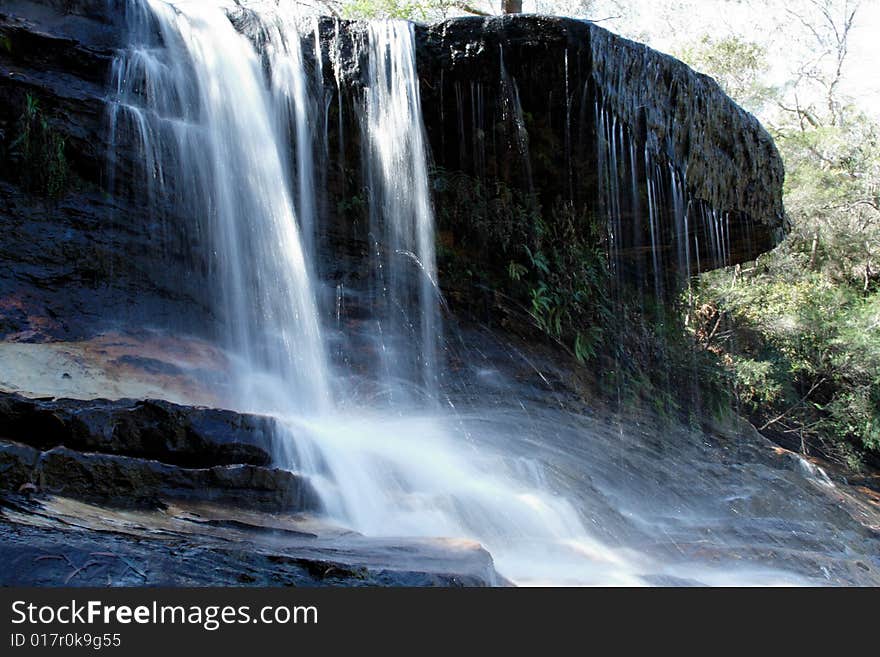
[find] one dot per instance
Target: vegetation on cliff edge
(799, 330)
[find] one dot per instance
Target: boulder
(158, 430)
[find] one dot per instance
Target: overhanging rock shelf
(528, 102)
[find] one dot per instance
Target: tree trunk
(814, 250)
(511, 6)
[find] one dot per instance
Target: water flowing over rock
(287, 190)
(195, 108)
(611, 124)
(63, 55)
(400, 204)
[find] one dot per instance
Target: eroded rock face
(731, 162)
(77, 257)
(517, 100)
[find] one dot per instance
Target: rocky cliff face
(508, 102)
(77, 257)
(728, 158)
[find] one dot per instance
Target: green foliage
(38, 152)
(814, 304)
(353, 206)
(801, 328)
(804, 355)
(738, 65)
(565, 272)
(551, 264)
(757, 382)
(402, 9)
(493, 214)
(833, 197)
(551, 268)
(516, 271)
(665, 360)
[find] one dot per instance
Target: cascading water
(196, 105)
(414, 472)
(401, 217)
(228, 140)
(297, 106)
(684, 234)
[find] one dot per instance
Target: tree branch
(469, 8)
(798, 405)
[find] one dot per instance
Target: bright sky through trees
(667, 25)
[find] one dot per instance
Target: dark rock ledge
(184, 436)
(143, 453)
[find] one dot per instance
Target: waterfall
(296, 106)
(685, 234)
(401, 217)
(411, 470)
(197, 107)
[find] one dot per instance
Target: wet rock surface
(720, 508)
(679, 507)
(477, 73)
(95, 256)
(730, 160)
(55, 541)
(144, 453)
(124, 481)
(87, 261)
(143, 493)
(157, 430)
(87, 254)
(116, 365)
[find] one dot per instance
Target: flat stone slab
(187, 436)
(111, 365)
(56, 541)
